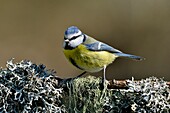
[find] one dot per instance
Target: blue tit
(89, 54)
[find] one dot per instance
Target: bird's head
(73, 37)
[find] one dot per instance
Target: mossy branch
(27, 87)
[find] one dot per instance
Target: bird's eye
(74, 37)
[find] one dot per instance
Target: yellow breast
(90, 61)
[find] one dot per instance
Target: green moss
(85, 95)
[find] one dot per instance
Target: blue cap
(71, 30)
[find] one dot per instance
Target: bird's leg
(104, 77)
(104, 74)
(64, 81)
(104, 82)
(76, 76)
(81, 74)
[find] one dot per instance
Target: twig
(121, 84)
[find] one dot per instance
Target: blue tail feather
(129, 56)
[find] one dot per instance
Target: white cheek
(76, 42)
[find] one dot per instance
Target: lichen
(151, 95)
(27, 87)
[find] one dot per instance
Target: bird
(88, 54)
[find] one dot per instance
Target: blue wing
(99, 46)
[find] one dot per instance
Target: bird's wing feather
(99, 46)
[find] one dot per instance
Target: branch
(122, 84)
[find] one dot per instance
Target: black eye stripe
(74, 37)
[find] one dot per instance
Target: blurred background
(33, 29)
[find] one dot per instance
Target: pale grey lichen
(152, 95)
(29, 88)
